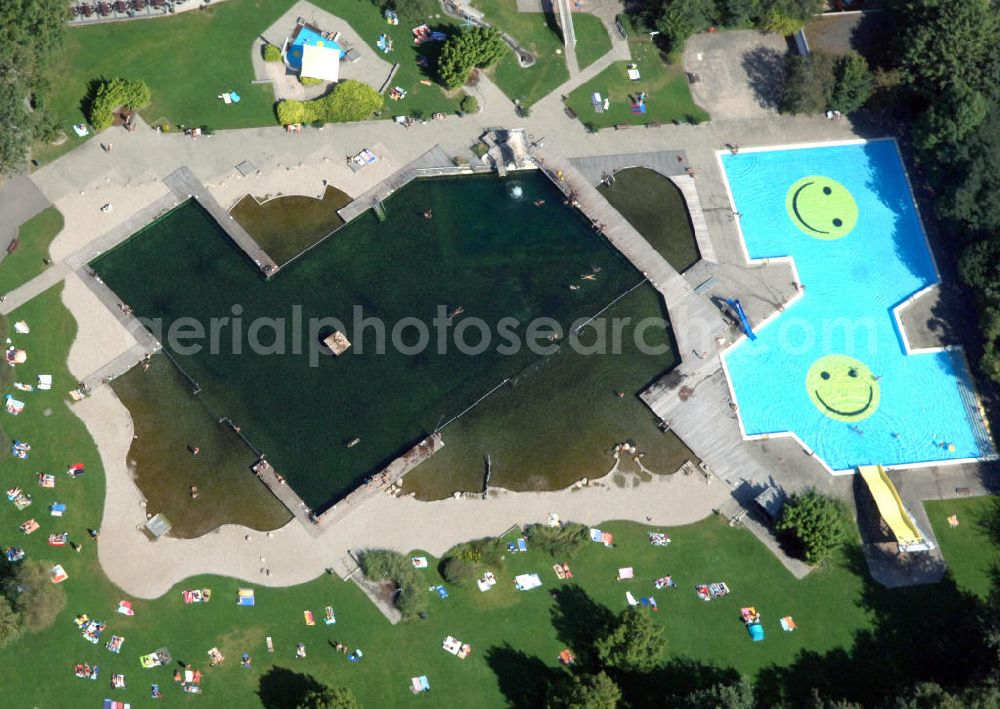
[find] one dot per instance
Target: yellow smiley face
(821, 207)
(843, 388)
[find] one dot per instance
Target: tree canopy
(816, 522)
(327, 697)
(479, 47)
(585, 691)
(348, 101)
(35, 598)
(634, 644)
(30, 31)
(108, 95)
(679, 19)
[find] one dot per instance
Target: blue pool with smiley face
(834, 368)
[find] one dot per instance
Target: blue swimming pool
(833, 367)
(306, 35)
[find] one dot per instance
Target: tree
(634, 644)
(737, 13)
(971, 185)
(35, 598)
(479, 47)
(349, 101)
(326, 697)
(352, 101)
(816, 522)
(724, 696)
(683, 18)
(111, 94)
(852, 83)
(585, 692)
(948, 57)
(787, 16)
(31, 31)
(272, 53)
(10, 623)
(808, 84)
(15, 133)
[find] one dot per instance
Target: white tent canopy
(320, 63)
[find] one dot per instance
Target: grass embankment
(537, 33)
(970, 547)
(668, 97)
(28, 261)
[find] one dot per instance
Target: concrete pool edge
(895, 311)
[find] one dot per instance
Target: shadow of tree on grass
(523, 679)
(579, 621)
(281, 688)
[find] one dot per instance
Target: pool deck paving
(133, 178)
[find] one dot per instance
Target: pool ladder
(379, 208)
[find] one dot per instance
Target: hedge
(349, 101)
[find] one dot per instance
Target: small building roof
(320, 62)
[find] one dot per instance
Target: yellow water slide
(890, 506)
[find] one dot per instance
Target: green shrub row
(349, 101)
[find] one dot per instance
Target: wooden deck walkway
(695, 320)
(185, 185)
(434, 163)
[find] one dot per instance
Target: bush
(349, 101)
(469, 104)
(112, 94)
(479, 47)
(310, 81)
(385, 566)
(559, 542)
(815, 522)
(40, 601)
(455, 570)
(489, 551)
(272, 53)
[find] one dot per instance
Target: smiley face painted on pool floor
(821, 207)
(843, 388)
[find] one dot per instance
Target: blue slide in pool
(735, 305)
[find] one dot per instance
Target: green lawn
(538, 33)
(189, 59)
(668, 96)
(592, 40)
(967, 547)
(515, 636)
(28, 261)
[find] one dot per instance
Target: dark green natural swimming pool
(656, 208)
(483, 251)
